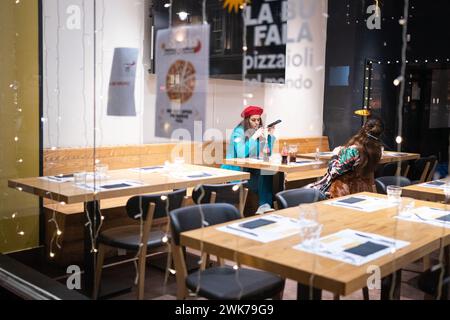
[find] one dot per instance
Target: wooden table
(270, 166)
(152, 181)
(307, 171)
(340, 278)
(387, 157)
(417, 191)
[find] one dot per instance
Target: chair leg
(336, 297)
(279, 295)
(365, 291)
(141, 280)
(168, 266)
(220, 261)
(98, 270)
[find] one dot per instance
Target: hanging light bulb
(182, 15)
(398, 80)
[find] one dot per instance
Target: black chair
(421, 169)
(220, 282)
(433, 165)
(233, 193)
(382, 183)
(295, 197)
(430, 280)
(392, 169)
(146, 208)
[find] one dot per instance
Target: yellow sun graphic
(233, 4)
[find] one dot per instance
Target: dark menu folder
(444, 218)
(436, 183)
(366, 249)
(116, 186)
(151, 168)
(256, 223)
(202, 175)
(351, 200)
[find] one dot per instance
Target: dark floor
(117, 281)
(156, 289)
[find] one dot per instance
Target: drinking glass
(447, 191)
(394, 193)
(308, 212)
(79, 178)
(310, 233)
(101, 170)
(275, 158)
(405, 206)
(293, 149)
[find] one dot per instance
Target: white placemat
(362, 203)
(432, 216)
(354, 247)
(265, 229)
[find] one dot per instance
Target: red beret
(251, 111)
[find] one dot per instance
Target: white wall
(301, 109)
(121, 23)
(69, 119)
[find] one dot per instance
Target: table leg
(391, 283)
(281, 181)
(305, 292)
(92, 211)
(445, 288)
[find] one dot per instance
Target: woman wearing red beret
(245, 142)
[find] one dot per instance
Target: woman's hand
(258, 134)
(271, 130)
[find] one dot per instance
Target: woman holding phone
(246, 141)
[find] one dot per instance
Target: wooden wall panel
(120, 157)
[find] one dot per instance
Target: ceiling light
(182, 15)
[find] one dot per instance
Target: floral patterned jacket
(342, 177)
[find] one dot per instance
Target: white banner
(121, 86)
(182, 69)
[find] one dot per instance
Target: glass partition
(103, 101)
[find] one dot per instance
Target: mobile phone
(274, 123)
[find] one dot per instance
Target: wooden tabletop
(335, 276)
(306, 175)
(167, 179)
(418, 191)
(388, 156)
(270, 166)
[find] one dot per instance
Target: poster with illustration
(182, 71)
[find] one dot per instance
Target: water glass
(310, 233)
(405, 207)
(79, 178)
(308, 212)
(101, 170)
(394, 193)
(447, 191)
(275, 158)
